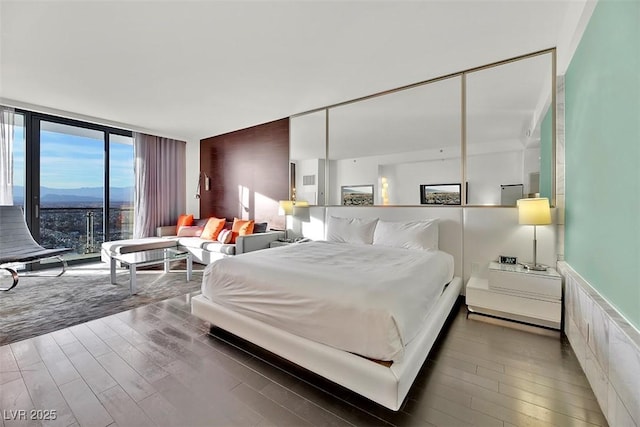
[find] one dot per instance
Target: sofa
(202, 251)
(206, 251)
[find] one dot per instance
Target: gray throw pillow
(200, 222)
(260, 227)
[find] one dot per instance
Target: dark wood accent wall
(249, 172)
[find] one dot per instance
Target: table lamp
(298, 209)
(534, 212)
(286, 209)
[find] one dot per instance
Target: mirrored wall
(506, 107)
(482, 137)
(307, 154)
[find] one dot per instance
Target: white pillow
(225, 236)
(351, 230)
(190, 231)
(409, 235)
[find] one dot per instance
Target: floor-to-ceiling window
(74, 180)
(121, 184)
(71, 187)
(19, 160)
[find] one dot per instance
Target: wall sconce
(207, 183)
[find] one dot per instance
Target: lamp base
(535, 267)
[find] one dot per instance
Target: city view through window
(72, 190)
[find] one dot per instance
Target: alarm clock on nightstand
(511, 260)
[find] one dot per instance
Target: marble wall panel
(607, 347)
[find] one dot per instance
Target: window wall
(121, 187)
(19, 160)
(74, 180)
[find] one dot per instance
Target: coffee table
(146, 258)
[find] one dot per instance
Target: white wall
(362, 171)
(314, 194)
(405, 178)
(531, 164)
(489, 232)
(368, 171)
(404, 173)
(486, 172)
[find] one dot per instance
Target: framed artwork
(357, 195)
(440, 194)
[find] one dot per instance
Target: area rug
(39, 305)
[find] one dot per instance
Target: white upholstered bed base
(387, 386)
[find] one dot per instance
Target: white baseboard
(607, 346)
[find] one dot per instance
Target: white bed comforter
(365, 299)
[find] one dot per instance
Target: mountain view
(76, 196)
(74, 217)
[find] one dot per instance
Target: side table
(515, 293)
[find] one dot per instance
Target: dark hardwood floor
(158, 365)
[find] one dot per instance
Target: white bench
(121, 247)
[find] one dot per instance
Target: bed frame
(387, 386)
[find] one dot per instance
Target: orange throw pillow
(241, 228)
(213, 228)
(184, 220)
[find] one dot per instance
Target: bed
(296, 300)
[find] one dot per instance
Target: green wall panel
(602, 232)
(545, 155)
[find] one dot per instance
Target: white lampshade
(286, 207)
(534, 211)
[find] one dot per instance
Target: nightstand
(278, 243)
(515, 293)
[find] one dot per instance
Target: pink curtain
(160, 167)
(6, 155)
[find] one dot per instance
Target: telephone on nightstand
(301, 240)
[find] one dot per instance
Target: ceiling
(195, 69)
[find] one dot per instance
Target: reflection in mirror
(357, 195)
(396, 142)
(307, 150)
(509, 136)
